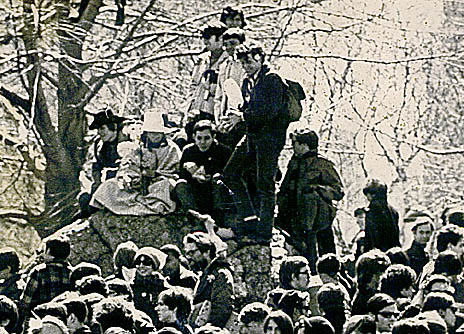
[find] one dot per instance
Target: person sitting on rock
(103, 156)
(174, 308)
(173, 270)
(9, 273)
(148, 282)
(306, 198)
(146, 175)
(233, 17)
(214, 293)
(200, 160)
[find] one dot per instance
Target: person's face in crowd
(73, 323)
(230, 44)
(165, 315)
(386, 318)
(214, 43)
(154, 137)
(172, 264)
(272, 328)
(251, 64)
(144, 266)
(203, 139)
(422, 234)
(299, 148)
(253, 327)
(194, 255)
(233, 21)
(106, 134)
(49, 328)
(361, 221)
(301, 279)
(458, 248)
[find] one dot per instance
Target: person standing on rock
(214, 293)
(266, 119)
(306, 197)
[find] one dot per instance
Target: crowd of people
(220, 168)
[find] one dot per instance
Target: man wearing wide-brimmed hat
(103, 155)
(146, 174)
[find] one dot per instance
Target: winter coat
(306, 195)
(382, 230)
(214, 295)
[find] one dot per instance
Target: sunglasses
(389, 314)
(144, 262)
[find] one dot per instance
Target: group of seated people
(190, 289)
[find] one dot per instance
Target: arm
(168, 163)
(266, 102)
(221, 298)
(331, 186)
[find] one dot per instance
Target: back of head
(179, 298)
(328, 264)
(215, 28)
(291, 265)
(396, 278)
(92, 284)
(448, 263)
(314, 325)
(436, 301)
(111, 312)
(283, 321)
(59, 246)
(448, 235)
(77, 307)
(82, 270)
(203, 242)
(434, 321)
(376, 188)
(411, 326)
(124, 255)
(57, 310)
(8, 311)
(397, 256)
(9, 258)
(305, 136)
(254, 312)
(378, 302)
(119, 287)
(171, 248)
(361, 323)
(369, 264)
(330, 298)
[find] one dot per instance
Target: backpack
(295, 94)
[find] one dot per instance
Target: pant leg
(267, 154)
(326, 241)
(311, 251)
(233, 173)
(184, 194)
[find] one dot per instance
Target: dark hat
(308, 137)
(214, 28)
(105, 117)
(203, 125)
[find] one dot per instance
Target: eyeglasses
(144, 262)
(389, 314)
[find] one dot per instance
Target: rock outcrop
(95, 240)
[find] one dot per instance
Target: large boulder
(96, 239)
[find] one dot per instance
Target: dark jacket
(265, 112)
(10, 287)
(216, 285)
(213, 160)
(183, 278)
(382, 230)
(306, 194)
(106, 155)
(418, 257)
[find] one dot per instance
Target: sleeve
(219, 96)
(221, 298)
(27, 296)
(130, 166)
(267, 101)
(169, 165)
(331, 186)
(183, 173)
